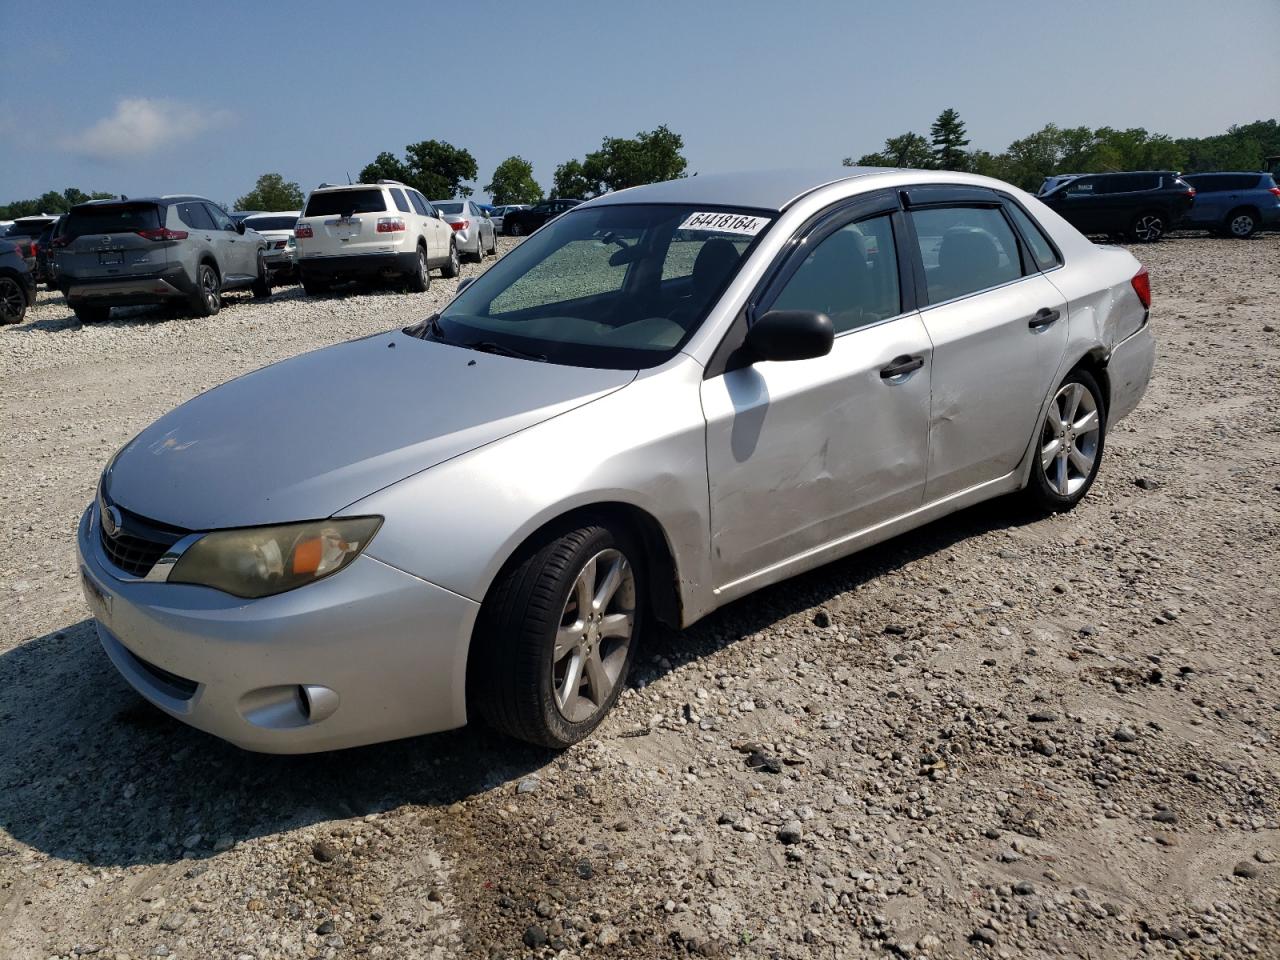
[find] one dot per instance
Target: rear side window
(401, 203)
(851, 276)
(419, 204)
(116, 218)
(965, 250)
(1224, 182)
(195, 216)
(337, 203)
(1037, 242)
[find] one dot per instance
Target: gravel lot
(1002, 735)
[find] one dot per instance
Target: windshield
(271, 223)
(618, 286)
(113, 218)
(448, 207)
(342, 202)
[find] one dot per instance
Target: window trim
(1010, 200)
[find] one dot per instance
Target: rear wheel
(1148, 227)
(92, 314)
(516, 230)
(454, 265)
(13, 301)
(1241, 224)
(479, 254)
(557, 635)
(420, 279)
(493, 243)
(207, 299)
(1069, 449)
(262, 286)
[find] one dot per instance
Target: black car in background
(17, 285)
(44, 268)
(25, 231)
(518, 223)
(1140, 205)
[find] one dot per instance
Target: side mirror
(239, 226)
(782, 335)
(463, 284)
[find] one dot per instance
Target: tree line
(441, 170)
(1053, 150)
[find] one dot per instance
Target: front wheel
(1148, 228)
(557, 635)
(1069, 450)
(208, 296)
(262, 285)
(420, 278)
(1241, 224)
(454, 266)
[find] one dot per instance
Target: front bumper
(358, 266)
(382, 654)
(169, 284)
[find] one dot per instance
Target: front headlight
(261, 561)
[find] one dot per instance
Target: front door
(999, 333)
(240, 254)
(804, 453)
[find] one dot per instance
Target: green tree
(905, 150)
(949, 140)
(272, 192)
(513, 183)
(623, 162)
(571, 182)
(433, 167)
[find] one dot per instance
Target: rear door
(118, 240)
(999, 333)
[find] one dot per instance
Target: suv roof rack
(398, 183)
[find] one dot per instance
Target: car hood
(301, 439)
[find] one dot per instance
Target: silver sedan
(473, 231)
(663, 400)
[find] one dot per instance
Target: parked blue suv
(1233, 204)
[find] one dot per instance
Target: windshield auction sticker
(725, 223)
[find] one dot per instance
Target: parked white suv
(367, 231)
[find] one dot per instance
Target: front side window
(220, 219)
(851, 276)
(964, 250)
(593, 288)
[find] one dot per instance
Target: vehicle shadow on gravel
(90, 772)
(138, 316)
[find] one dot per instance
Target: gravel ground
(1001, 735)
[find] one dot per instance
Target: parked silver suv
(116, 253)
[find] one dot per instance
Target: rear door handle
(1044, 316)
(901, 365)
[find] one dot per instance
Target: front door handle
(1044, 316)
(900, 366)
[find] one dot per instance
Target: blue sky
(147, 97)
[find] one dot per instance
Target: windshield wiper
(490, 346)
(431, 325)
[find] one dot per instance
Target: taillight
(1275, 190)
(162, 233)
(1191, 193)
(1142, 286)
(280, 244)
(303, 231)
(35, 248)
(461, 225)
(390, 225)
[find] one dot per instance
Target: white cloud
(141, 125)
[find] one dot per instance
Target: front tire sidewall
(204, 305)
(1038, 490)
(512, 679)
(454, 266)
(420, 279)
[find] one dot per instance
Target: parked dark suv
(1234, 204)
(519, 223)
(184, 249)
(1139, 205)
(17, 286)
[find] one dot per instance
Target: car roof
(757, 189)
(164, 199)
(274, 213)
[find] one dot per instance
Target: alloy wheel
(13, 302)
(455, 263)
(422, 267)
(209, 287)
(1069, 443)
(1149, 228)
(1242, 225)
(594, 636)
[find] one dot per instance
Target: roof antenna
(348, 178)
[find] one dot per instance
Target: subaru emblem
(111, 521)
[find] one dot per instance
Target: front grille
(138, 542)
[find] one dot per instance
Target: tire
(92, 314)
(1066, 457)
(525, 656)
(207, 300)
(453, 266)
(1148, 227)
(493, 244)
(315, 288)
(262, 286)
(478, 256)
(516, 230)
(420, 280)
(13, 301)
(1240, 224)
